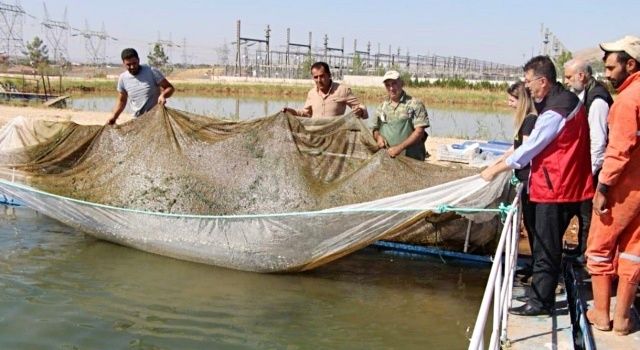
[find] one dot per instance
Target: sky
(506, 32)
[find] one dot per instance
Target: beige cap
(629, 44)
(392, 74)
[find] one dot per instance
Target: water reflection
(444, 122)
(63, 289)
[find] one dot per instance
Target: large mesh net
(272, 194)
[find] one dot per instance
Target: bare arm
(306, 111)
(491, 172)
(166, 91)
(415, 136)
(382, 143)
(500, 165)
(361, 111)
(121, 103)
(358, 108)
(290, 111)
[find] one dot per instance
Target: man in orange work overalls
(613, 247)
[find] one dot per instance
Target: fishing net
(277, 193)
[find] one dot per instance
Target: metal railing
(499, 286)
(580, 328)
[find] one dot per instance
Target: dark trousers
(584, 222)
(552, 221)
(528, 217)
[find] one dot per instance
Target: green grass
(466, 97)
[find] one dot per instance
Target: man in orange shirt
(328, 98)
(613, 247)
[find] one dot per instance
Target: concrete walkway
(554, 332)
(540, 332)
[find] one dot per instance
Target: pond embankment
(441, 96)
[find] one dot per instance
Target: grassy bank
(462, 98)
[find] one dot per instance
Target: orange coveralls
(613, 245)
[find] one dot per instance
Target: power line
(57, 35)
(11, 45)
(95, 43)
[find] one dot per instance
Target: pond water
(61, 289)
(483, 125)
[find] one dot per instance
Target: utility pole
(11, 30)
(184, 52)
(288, 50)
(57, 35)
(248, 42)
(95, 43)
(169, 44)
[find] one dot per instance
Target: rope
(503, 209)
(514, 181)
(330, 211)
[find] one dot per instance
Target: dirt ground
(79, 117)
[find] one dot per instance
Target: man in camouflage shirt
(400, 121)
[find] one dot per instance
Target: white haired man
(578, 77)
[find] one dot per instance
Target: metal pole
(326, 45)
(286, 60)
(477, 338)
(466, 238)
(268, 58)
(342, 58)
(368, 55)
(238, 54)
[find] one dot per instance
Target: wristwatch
(602, 188)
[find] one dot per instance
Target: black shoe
(526, 280)
(529, 310)
(523, 298)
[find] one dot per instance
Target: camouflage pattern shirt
(407, 108)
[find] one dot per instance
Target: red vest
(561, 173)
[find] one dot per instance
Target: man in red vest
(560, 180)
(613, 247)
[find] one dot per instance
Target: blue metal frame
(4, 200)
(419, 250)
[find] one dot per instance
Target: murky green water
(466, 124)
(60, 289)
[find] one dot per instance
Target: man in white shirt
(578, 77)
(597, 100)
(142, 85)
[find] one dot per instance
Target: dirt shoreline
(77, 116)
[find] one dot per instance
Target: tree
(65, 65)
(305, 67)
(598, 68)
(560, 60)
(157, 58)
(38, 54)
(356, 67)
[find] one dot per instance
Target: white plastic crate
(465, 155)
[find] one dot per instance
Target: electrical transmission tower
(57, 35)
(551, 45)
(249, 42)
(11, 44)
(168, 44)
(96, 44)
(184, 52)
